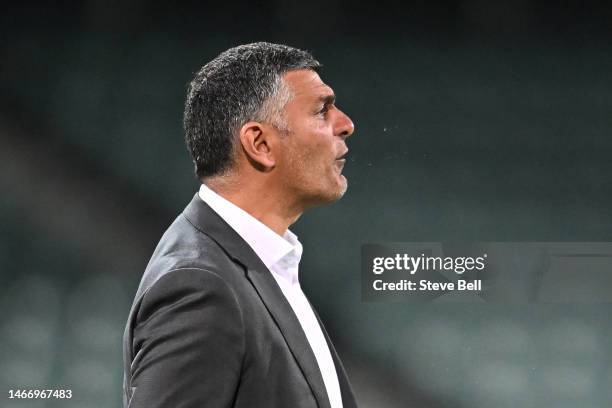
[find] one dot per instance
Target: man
(219, 319)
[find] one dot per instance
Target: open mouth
(341, 160)
(342, 157)
(340, 164)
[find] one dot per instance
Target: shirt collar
(267, 244)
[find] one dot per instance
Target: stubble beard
(311, 187)
(318, 187)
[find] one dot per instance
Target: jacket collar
(269, 246)
(210, 223)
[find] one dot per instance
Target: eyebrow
(328, 99)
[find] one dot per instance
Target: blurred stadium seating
(459, 137)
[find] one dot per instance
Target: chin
(324, 194)
(334, 193)
(342, 189)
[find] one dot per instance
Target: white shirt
(281, 255)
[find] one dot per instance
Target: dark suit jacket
(210, 328)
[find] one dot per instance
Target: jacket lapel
(283, 315)
(211, 224)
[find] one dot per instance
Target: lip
(340, 164)
(342, 156)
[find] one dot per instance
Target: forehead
(306, 84)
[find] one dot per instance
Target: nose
(344, 125)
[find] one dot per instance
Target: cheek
(310, 151)
(317, 157)
(321, 143)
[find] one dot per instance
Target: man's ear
(255, 141)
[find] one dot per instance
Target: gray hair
(240, 85)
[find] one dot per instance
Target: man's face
(312, 152)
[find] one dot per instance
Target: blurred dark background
(475, 121)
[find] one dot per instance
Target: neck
(267, 205)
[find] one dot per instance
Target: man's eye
(324, 109)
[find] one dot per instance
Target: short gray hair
(242, 84)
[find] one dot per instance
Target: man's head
(262, 107)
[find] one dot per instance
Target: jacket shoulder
(183, 247)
